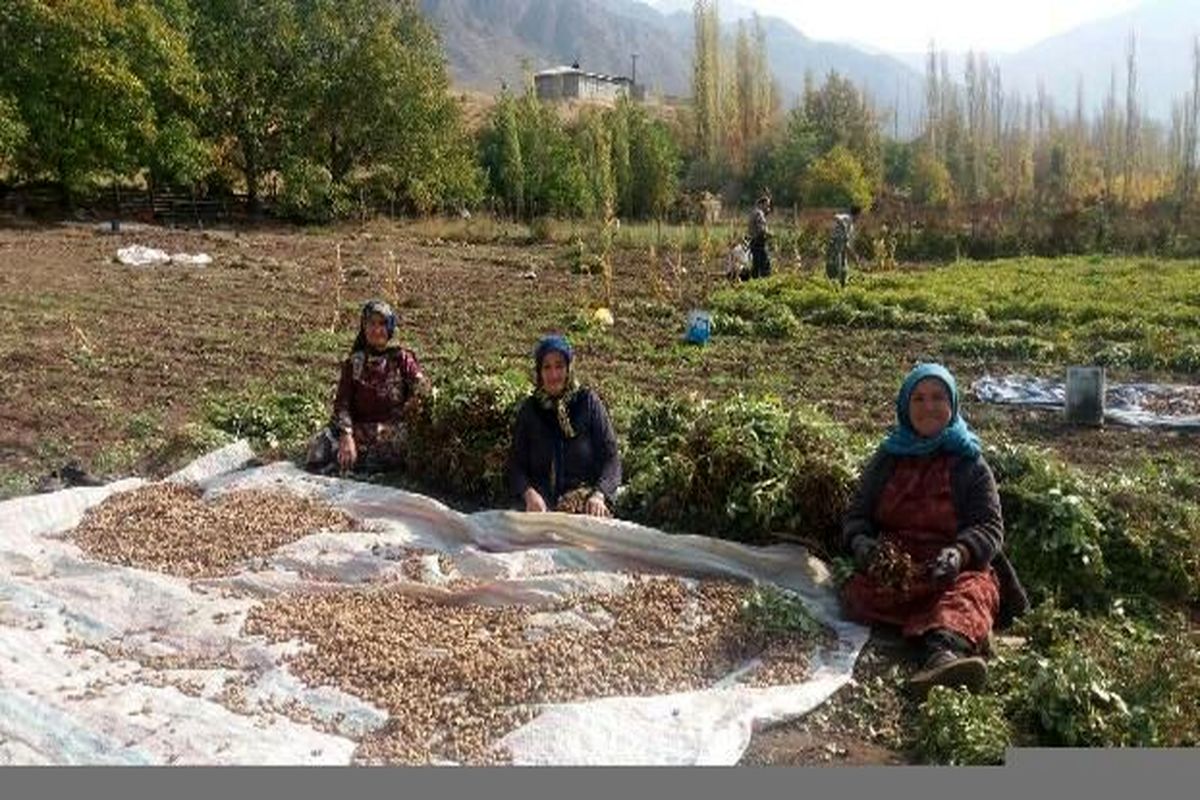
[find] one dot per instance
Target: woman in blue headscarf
(926, 533)
(564, 451)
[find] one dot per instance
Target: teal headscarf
(955, 438)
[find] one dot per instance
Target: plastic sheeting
(140, 256)
(80, 683)
(1140, 405)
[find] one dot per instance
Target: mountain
(1165, 31)
(730, 9)
(487, 41)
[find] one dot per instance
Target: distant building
(572, 83)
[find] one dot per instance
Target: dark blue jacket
(540, 450)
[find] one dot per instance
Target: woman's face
(929, 408)
(376, 331)
(554, 374)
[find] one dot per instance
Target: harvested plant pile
(456, 678)
(742, 469)
(894, 568)
(171, 529)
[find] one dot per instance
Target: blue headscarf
(955, 438)
(373, 307)
(554, 343)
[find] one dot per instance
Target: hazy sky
(908, 25)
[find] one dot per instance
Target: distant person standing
(760, 259)
(841, 244)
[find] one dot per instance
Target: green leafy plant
(957, 728)
(771, 611)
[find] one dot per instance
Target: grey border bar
(1029, 774)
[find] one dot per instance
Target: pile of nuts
(574, 502)
(894, 568)
(170, 528)
(456, 678)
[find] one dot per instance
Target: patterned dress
(916, 513)
(372, 393)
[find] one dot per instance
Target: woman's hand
(597, 507)
(534, 503)
(947, 565)
(863, 548)
(347, 451)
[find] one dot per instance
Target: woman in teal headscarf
(926, 533)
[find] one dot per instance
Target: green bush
(837, 179)
(957, 728)
(1023, 348)
(460, 439)
(1103, 679)
(308, 191)
(1054, 535)
(1152, 536)
(268, 418)
(742, 469)
(1073, 702)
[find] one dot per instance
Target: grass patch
(1006, 348)
(14, 484)
(275, 419)
(1017, 309)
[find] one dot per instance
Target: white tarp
(1140, 405)
(78, 684)
(140, 256)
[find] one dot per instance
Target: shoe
(946, 668)
(75, 475)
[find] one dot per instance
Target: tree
(87, 79)
(249, 52)
(554, 179)
(781, 161)
(706, 78)
(12, 130)
(837, 179)
(931, 182)
(655, 166)
(502, 158)
(933, 103)
(595, 151)
(840, 115)
(619, 123)
(754, 92)
(174, 151)
(1132, 119)
(1189, 136)
(898, 159)
(372, 93)
(1110, 134)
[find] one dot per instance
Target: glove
(947, 565)
(863, 547)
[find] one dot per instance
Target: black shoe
(946, 668)
(74, 475)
